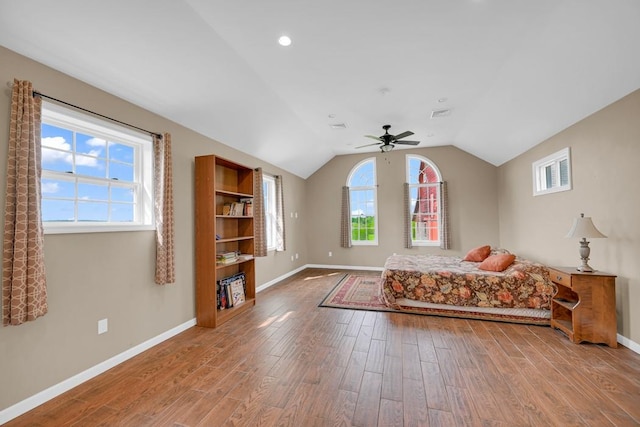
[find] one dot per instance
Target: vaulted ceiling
(509, 73)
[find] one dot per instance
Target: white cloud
(96, 142)
(87, 161)
(59, 143)
(56, 142)
(50, 187)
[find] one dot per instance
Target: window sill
(95, 229)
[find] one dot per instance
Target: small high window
(552, 173)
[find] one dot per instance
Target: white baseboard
(345, 267)
(631, 345)
(66, 385)
(278, 279)
(299, 269)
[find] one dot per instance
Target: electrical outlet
(330, 253)
(296, 256)
(103, 326)
(291, 257)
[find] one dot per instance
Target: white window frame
(76, 121)
(436, 185)
(551, 163)
(270, 214)
(374, 189)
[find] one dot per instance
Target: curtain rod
(42, 95)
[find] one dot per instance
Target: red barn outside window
(424, 187)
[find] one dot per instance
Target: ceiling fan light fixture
(386, 148)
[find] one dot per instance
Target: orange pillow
(498, 262)
(478, 254)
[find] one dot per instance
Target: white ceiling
(512, 72)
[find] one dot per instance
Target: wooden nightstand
(585, 306)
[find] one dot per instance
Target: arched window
(424, 180)
(363, 203)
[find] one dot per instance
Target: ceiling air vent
(440, 113)
(338, 126)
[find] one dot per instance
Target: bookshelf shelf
(220, 184)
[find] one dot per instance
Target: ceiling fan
(388, 141)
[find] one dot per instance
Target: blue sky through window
(97, 180)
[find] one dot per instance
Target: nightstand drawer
(560, 277)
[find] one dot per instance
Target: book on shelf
(244, 257)
(248, 206)
(237, 209)
(231, 290)
(228, 291)
(221, 296)
(236, 291)
(226, 257)
(226, 209)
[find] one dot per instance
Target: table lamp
(583, 227)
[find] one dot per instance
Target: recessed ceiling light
(284, 41)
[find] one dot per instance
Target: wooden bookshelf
(220, 182)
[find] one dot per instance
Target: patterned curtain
(345, 219)
(24, 285)
(258, 215)
(445, 236)
(163, 195)
(408, 243)
(280, 237)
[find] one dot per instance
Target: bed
(521, 293)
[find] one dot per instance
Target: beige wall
(605, 151)
(473, 197)
(110, 275)
(93, 276)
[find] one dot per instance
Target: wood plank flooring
(288, 362)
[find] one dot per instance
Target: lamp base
(584, 256)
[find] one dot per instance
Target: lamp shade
(583, 227)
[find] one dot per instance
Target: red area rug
(362, 292)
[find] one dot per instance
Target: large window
(269, 192)
(96, 176)
(424, 201)
(363, 201)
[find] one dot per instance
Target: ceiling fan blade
(368, 145)
(373, 137)
(404, 134)
(408, 142)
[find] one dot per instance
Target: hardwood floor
(288, 362)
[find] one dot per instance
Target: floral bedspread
(450, 280)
